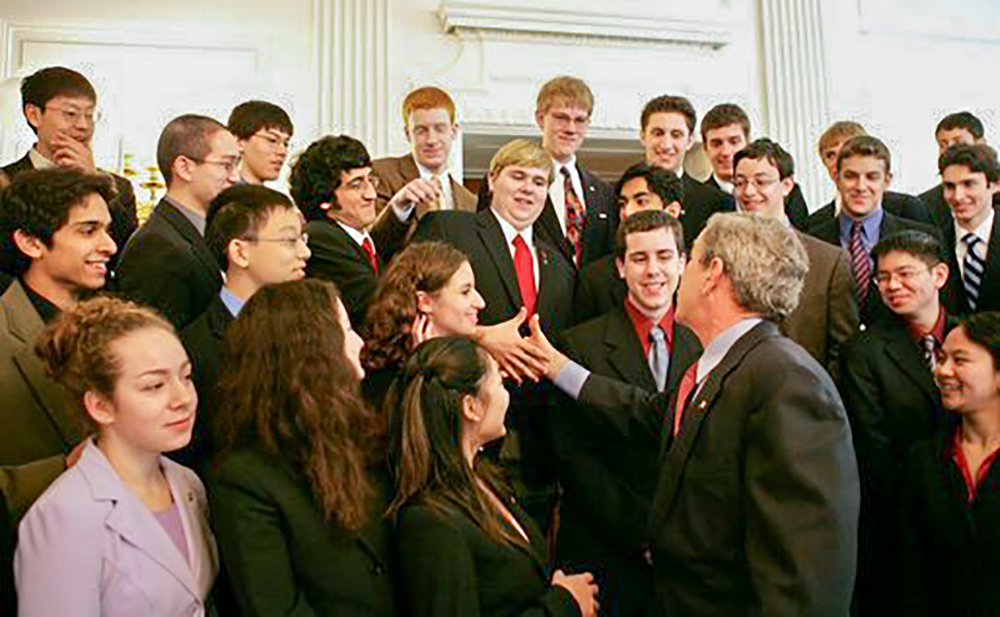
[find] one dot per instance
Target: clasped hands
(521, 358)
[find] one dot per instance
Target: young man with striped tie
(969, 176)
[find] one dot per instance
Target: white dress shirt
(557, 190)
(509, 233)
(983, 232)
(357, 236)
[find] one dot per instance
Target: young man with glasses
(167, 264)
(333, 184)
(256, 234)
(60, 107)
(263, 131)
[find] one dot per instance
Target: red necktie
(684, 392)
(525, 269)
(368, 247)
(575, 214)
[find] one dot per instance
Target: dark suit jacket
(451, 568)
(756, 508)
(949, 562)
(829, 231)
(599, 229)
(394, 173)
(203, 340)
(599, 289)
(37, 417)
(827, 314)
(338, 258)
(796, 208)
(283, 557)
(902, 205)
(700, 202)
(167, 265)
(124, 220)
(607, 481)
(989, 290)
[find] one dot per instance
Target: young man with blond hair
(418, 182)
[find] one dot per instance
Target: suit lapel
(547, 226)
(546, 280)
(408, 168)
(176, 219)
(625, 351)
(202, 551)
(219, 318)
(990, 277)
(492, 238)
(904, 352)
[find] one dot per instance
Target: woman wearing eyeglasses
(950, 515)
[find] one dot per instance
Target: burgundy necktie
(369, 248)
(859, 262)
(525, 269)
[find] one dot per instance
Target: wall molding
(588, 28)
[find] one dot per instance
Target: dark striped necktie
(974, 268)
(860, 264)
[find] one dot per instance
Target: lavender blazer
(89, 547)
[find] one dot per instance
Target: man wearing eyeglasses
(167, 264)
(59, 105)
(827, 313)
(333, 184)
(262, 131)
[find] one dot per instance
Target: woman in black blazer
(428, 290)
(299, 491)
(950, 516)
(465, 547)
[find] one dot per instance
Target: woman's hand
(422, 329)
(583, 589)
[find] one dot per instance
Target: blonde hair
(565, 90)
(523, 153)
(839, 132)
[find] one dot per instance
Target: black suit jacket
(796, 208)
(599, 229)
(124, 220)
(607, 481)
(449, 567)
(989, 290)
(700, 202)
(829, 231)
(949, 562)
(167, 265)
(756, 507)
(599, 289)
(203, 340)
(283, 557)
(902, 205)
(338, 258)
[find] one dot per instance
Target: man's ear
(33, 113)
(29, 245)
(183, 168)
(237, 254)
(787, 185)
(620, 266)
(939, 275)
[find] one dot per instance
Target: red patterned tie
(684, 392)
(859, 262)
(575, 214)
(368, 247)
(525, 269)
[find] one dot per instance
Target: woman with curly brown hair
(429, 290)
(299, 491)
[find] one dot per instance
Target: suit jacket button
(377, 570)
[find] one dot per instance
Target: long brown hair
(425, 434)
(423, 266)
(287, 389)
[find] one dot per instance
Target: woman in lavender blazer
(124, 532)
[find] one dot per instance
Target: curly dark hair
(318, 172)
(423, 266)
(286, 389)
(38, 203)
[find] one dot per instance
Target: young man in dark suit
(606, 482)
(890, 396)
(863, 175)
(59, 105)
(257, 235)
(59, 221)
(969, 175)
(959, 128)
(333, 184)
(758, 440)
(262, 131)
(166, 264)
(667, 128)
(418, 182)
(901, 205)
(599, 288)
(516, 270)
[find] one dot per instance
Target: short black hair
(239, 212)
(979, 158)
(38, 203)
(46, 84)
(723, 115)
(317, 172)
(647, 220)
(764, 148)
(189, 135)
(670, 104)
(920, 244)
(248, 118)
(961, 120)
(983, 329)
(665, 184)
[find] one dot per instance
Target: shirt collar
(937, 331)
(509, 233)
(47, 310)
(869, 225)
(233, 302)
(644, 325)
(356, 235)
(427, 174)
(721, 345)
(196, 219)
(726, 187)
(570, 164)
(983, 231)
(38, 160)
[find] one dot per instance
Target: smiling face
(454, 309)
(651, 269)
(759, 189)
(70, 116)
(862, 181)
(486, 411)
(966, 374)
(431, 133)
(519, 194)
(908, 287)
(355, 198)
(720, 146)
(636, 196)
(666, 139)
(968, 194)
(564, 127)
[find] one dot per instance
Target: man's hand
(424, 194)
(68, 152)
(554, 359)
(519, 358)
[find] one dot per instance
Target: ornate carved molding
(580, 27)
